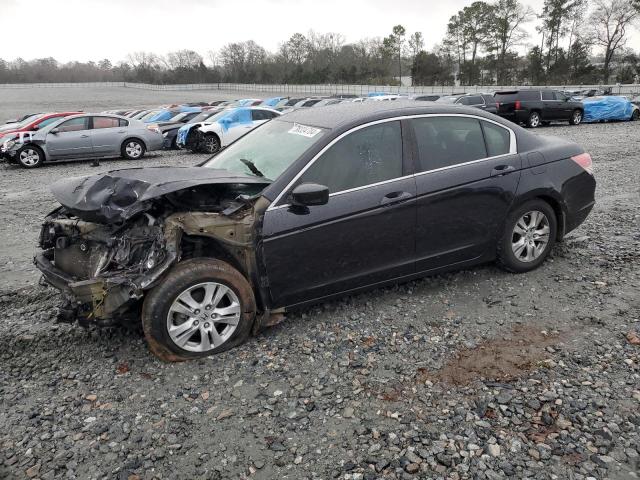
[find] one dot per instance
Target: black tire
(534, 120)
(576, 117)
(186, 275)
(133, 149)
(635, 116)
(506, 257)
(210, 143)
(30, 156)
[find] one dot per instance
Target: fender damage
(116, 234)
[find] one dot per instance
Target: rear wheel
(529, 235)
(204, 306)
(30, 156)
(132, 149)
(534, 120)
(576, 118)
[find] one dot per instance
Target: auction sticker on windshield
(304, 130)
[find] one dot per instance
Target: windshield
(19, 125)
(201, 117)
(268, 150)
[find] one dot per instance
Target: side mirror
(310, 194)
(55, 131)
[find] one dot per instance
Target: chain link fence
(324, 89)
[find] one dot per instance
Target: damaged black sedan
(317, 203)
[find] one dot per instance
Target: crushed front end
(117, 234)
(102, 270)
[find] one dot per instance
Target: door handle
(502, 170)
(122, 131)
(84, 136)
(395, 197)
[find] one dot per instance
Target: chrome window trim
(513, 149)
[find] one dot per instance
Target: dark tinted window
(560, 96)
(522, 95)
(471, 100)
(261, 115)
(498, 139)
(446, 141)
(529, 95)
(488, 99)
(74, 125)
(105, 122)
(124, 123)
(370, 155)
(547, 95)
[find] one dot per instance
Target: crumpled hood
(117, 195)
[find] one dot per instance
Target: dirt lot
(475, 374)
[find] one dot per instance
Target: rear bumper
(156, 142)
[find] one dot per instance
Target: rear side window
(447, 141)
(498, 139)
(124, 123)
(370, 155)
(529, 95)
(548, 95)
(488, 99)
(105, 122)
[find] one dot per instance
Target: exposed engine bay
(111, 239)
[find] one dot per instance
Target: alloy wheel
(133, 149)
(577, 118)
(211, 144)
(530, 236)
(203, 317)
(29, 157)
(534, 120)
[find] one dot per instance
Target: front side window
(105, 122)
(47, 121)
(447, 141)
(74, 125)
(369, 155)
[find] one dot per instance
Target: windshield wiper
(252, 166)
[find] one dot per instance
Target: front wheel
(534, 120)
(30, 157)
(132, 149)
(576, 118)
(203, 307)
(635, 116)
(211, 143)
(530, 232)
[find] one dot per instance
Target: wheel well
(133, 138)
(36, 147)
(557, 209)
(193, 246)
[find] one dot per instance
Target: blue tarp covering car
(226, 119)
(169, 113)
(272, 102)
(605, 108)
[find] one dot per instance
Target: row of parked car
(208, 127)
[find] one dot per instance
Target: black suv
(485, 101)
(535, 107)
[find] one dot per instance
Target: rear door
(552, 107)
(467, 175)
(364, 235)
(71, 140)
(107, 135)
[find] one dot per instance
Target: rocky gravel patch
(476, 374)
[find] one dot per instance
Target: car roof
(348, 114)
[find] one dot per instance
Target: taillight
(584, 160)
(518, 104)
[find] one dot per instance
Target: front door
(467, 176)
(364, 235)
(71, 140)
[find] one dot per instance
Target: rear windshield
(513, 96)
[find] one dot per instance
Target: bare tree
(609, 23)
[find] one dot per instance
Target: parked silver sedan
(82, 137)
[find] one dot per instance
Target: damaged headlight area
(100, 268)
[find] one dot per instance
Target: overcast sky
(95, 29)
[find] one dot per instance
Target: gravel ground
(475, 374)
